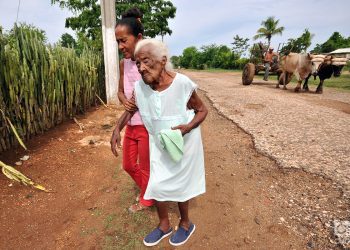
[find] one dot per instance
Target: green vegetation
(299, 44)
(335, 41)
(269, 28)
(87, 17)
(221, 56)
(122, 229)
(68, 41)
(210, 56)
(41, 85)
(216, 70)
(239, 45)
(342, 82)
(347, 67)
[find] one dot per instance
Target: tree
(188, 57)
(68, 41)
(269, 28)
(299, 44)
(239, 45)
(223, 57)
(87, 19)
(175, 60)
(335, 41)
(209, 56)
(209, 53)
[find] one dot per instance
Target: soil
(251, 202)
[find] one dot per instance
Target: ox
(328, 67)
(296, 64)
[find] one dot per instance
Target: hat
(271, 47)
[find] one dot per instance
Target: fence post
(111, 58)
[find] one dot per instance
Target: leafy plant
(41, 85)
(335, 41)
(87, 17)
(239, 45)
(268, 29)
(300, 44)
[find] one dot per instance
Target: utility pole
(111, 58)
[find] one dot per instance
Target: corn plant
(42, 85)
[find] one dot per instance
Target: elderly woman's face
(149, 67)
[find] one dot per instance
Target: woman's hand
(130, 105)
(184, 128)
(115, 141)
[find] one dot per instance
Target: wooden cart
(256, 63)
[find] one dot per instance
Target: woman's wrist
(122, 98)
(116, 130)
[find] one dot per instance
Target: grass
(119, 228)
(342, 82)
(213, 70)
(271, 77)
(123, 229)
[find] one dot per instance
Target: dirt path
(250, 203)
(299, 130)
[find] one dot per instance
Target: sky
(205, 22)
(40, 13)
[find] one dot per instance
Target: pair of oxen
(303, 66)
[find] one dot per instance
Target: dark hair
(132, 19)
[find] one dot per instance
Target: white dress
(170, 181)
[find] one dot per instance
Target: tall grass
(41, 85)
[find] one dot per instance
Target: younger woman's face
(126, 41)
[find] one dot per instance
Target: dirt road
(299, 130)
(250, 203)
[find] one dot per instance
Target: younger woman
(128, 31)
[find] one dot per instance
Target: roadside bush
(239, 63)
(210, 56)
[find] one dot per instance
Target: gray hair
(158, 49)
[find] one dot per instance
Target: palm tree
(269, 28)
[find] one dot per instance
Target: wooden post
(110, 51)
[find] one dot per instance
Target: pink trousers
(136, 158)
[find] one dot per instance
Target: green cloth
(172, 141)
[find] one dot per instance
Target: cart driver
(268, 60)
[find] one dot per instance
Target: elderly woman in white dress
(172, 112)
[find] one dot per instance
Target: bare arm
(116, 138)
(200, 110)
(278, 56)
(121, 95)
(128, 104)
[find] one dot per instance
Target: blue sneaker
(154, 237)
(182, 235)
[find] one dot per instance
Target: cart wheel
(248, 74)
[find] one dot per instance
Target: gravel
(299, 130)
